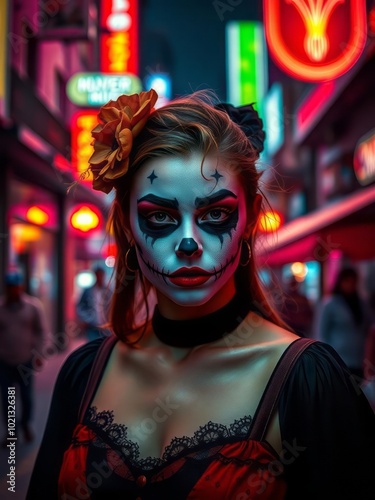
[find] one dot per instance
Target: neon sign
(96, 89)
(246, 62)
(315, 40)
(273, 111)
(82, 124)
(119, 38)
(364, 159)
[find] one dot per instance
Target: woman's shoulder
(79, 362)
(320, 374)
(320, 358)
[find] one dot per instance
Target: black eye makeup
(216, 215)
(157, 217)
(219, 213)
(219, 220)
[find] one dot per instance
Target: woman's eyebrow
(157, 200)
(214, 198)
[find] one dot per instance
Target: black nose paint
(188, 246)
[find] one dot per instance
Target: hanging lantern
(84, 219)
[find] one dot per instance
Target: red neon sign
(119, 38)
(82, 124)
(315, 40)
(310, 107)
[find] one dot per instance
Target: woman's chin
(190, 297)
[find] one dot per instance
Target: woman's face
(187, 228)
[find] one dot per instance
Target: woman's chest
(158, 401)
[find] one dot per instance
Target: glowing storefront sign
(82, 124)
(364, 159)
(96, 89)
(315, 40)
(119, 37)
(246, 63)
(23, 234)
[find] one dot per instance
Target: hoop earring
(132, 256)
(245, 253)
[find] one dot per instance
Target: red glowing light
(315, 40)
(119, 38)
(371, 21)
(82, 124)
(311, 106)
(111, 250)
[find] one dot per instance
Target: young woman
(205, 394)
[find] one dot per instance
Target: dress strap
(96, 372)
(274, 387)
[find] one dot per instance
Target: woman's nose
(188, 247)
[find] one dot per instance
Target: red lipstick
(189, 276)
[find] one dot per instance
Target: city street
(25, 452)
(197, 181)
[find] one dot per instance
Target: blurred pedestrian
(93, 306)
(343, 321)
(22, 333)
(296, 310)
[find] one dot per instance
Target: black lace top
(116, 435)
(327, 429)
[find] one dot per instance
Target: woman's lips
(189, 276)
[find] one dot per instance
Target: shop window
(33, 226)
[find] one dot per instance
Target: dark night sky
(187, 39)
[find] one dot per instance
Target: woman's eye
(216, 215)
(161, 218)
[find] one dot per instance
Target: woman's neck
(171, 310)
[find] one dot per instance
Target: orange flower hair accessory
(121, 121)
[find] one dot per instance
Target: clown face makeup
(188, 228)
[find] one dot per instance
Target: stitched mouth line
(217, 273)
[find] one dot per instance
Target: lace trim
(208, 434)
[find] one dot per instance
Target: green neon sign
(246, 63)
(96, 89)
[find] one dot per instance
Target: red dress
(220, 462)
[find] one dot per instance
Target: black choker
(196, 331)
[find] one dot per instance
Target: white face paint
(187, 229)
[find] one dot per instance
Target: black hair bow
(248, 119)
